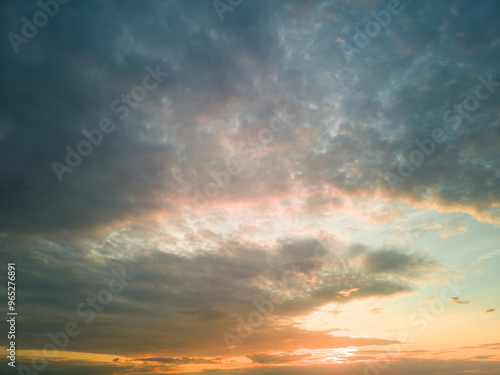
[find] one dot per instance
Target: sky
(250, 187)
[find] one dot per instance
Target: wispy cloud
(458, 301)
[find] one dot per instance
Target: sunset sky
(251, 187)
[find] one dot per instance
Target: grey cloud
(351, 122)
(458, 301)
(278, 358)
(393, 261)
(241, 68)
(407, 366)
(178, 304)
(182, 360)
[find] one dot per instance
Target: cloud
(457, 301)
(490, 310)
(484, 356)
(450, 228)
(492, 345)
(347, 292)
(226, 80)
(394, 261)
(190, 300)
(276, 358)
(132, 201)
(183, 360)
